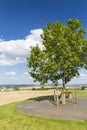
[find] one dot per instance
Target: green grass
(79, 93)
(82, 93)
(11, 119)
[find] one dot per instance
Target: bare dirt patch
(8, 97)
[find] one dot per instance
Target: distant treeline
(36, 85)
(17, 85)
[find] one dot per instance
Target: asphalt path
(47, 108)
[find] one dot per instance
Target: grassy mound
(11, 119)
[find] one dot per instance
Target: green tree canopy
(36, 61)
(64, 52)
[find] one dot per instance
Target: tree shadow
(42, 98)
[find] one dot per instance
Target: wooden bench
(67, 94)
(58, 95)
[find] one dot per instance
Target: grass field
(11, 119)
(79, 93)
(82, 93)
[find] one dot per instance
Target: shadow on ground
(44, 106)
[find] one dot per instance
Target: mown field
(79, 93)
(11, 119)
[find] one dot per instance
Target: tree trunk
(63, 92)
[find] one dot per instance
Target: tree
(62, 55)
(36, 62)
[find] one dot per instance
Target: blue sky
(21, 23)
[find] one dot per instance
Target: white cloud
(13, 78)
(15, 51)
(10, 73)
(83, 75)
(25, 73)
(1, 40)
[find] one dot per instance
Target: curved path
(47, 108)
